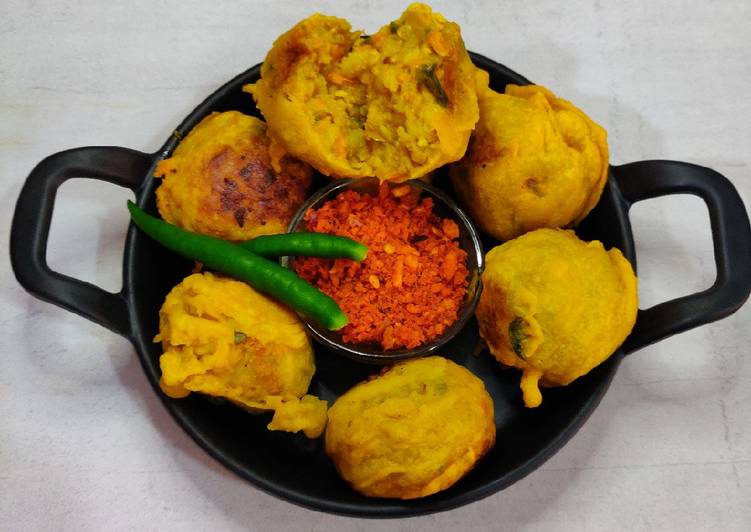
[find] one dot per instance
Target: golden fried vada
(555, 306)
(219, 181)
(222, 338)
(394, 105)
(534, 160)
(411, 431)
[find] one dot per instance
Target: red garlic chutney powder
(409, 288)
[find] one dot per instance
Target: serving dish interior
(295, 468)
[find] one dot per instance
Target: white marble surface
(85, 443)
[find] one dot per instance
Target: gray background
(85, 443)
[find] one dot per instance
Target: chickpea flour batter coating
(222, 338)
(534, 161)
(394, 105)
(555, 306)
(411, 431)
(219, 181)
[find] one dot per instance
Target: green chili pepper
(306, 244)
(262, 274)
(432, 83)
(516, 335)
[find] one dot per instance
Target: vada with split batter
(411, 431)
(393, 105)
(222, 338)
(219, 181)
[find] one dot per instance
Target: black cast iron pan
(296, 469)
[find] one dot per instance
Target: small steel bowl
(469, 241)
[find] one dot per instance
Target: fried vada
(393, 105)
(222, 338)
(555, 306)
(219, 180)
(534, 160)
(411, 431)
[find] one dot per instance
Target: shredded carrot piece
(410, 286)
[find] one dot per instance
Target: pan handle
(731, 236)
(31, 226)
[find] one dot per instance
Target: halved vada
(394, 105)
